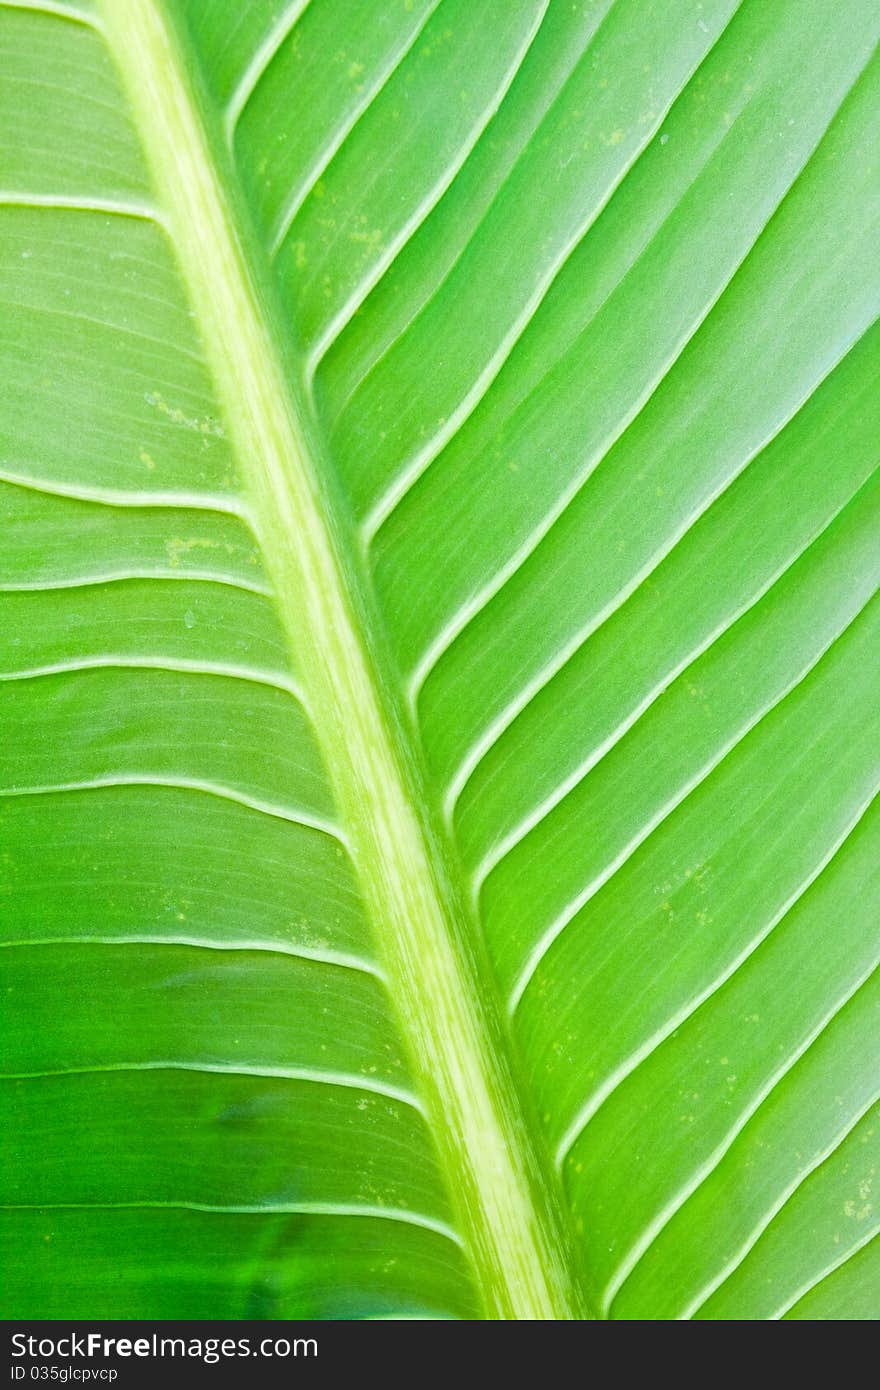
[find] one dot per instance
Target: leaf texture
(439, 658)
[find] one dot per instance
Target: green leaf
(438, 456)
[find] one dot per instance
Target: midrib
(506, 1209)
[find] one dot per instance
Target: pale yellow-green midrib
(516, 1250)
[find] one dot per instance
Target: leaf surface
(439, 658)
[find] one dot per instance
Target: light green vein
(341, 960)
(348, 1081)
(786, 1308)
(377, 1213)
(517, 1247)
(294, 815)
